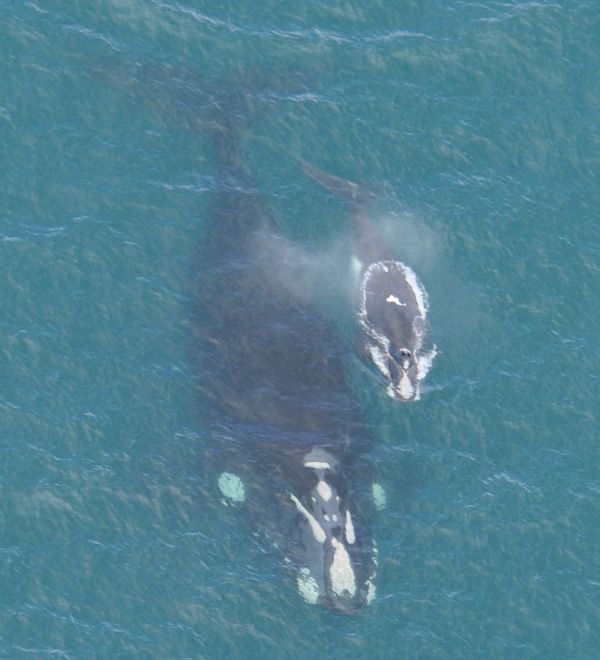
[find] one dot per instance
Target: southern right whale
(288, 436)
(392, 304)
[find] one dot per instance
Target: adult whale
(392, 304)
(289, 437)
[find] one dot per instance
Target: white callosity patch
(324, 491)
(317, 465)
(232, 487)
(350, 535)
(318, 459)
(307, 586)
(379, 496)
(395, 300)
(371, 592)
(341, 573)
(317, 530)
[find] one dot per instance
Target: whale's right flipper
(353, 193)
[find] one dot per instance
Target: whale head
(333, 552)
(392, 313)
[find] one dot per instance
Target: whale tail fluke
(354, 194)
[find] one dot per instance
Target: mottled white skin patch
(232, 487)
(393, 299)
(341, 573)
(307, 586)
(325, 492)
(317, 530)
(379, 497)
(350, 535)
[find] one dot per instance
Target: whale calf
(392, 303)
(291, 442)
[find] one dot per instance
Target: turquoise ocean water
(479, 122)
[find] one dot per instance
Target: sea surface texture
(477, 124)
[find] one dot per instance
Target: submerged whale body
(392, 303)
(292, 442)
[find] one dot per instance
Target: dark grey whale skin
(272, 385)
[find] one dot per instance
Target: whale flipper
(353, 193)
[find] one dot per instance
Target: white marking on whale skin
(371, 592)
(411, 279)
(350, 535)
(307, 586)
(232, 487)
(396, 301)
(341, 573)
(405, 387)
(324, 490)
(406, 395)
(317, 465)
(317, 530)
